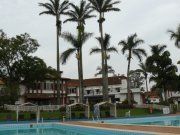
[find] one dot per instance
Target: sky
(150, 19)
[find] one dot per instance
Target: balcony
(72, 95)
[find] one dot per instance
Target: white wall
(123, 97)
(137, 98)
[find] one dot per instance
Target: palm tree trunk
(128, 80)
(58, 62)
(81, 90)
(80, 66)
(104, 77)
(146, 84)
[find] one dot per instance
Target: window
(118, 89)
(88, 92)
(45, 86)
(71, 101)
(97, 91)
(72, 90)
(110, 90)
(48, 86)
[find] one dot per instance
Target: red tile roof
(96, 81)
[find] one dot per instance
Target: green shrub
(124, 106)
(174, 108)
(166, 103)
(126, 101)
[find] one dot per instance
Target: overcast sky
(150, 19)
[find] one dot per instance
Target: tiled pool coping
(129, 128)
(136, 128)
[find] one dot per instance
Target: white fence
(32, 108)
(154, 106)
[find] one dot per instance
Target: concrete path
(155, 129)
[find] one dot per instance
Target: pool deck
(160, 130)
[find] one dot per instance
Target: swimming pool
(57, 129)
(161, 121)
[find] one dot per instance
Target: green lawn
(77, 114)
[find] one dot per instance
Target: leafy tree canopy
(13, 50)
(161, 67)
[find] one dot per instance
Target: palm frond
(112, 49)
(95, 50)
(175, 35)
(86, 36)
(66, 54)
(79, 13)
(72, 39)
(49, 9)
(139, 53)
(124, 45)
(103, 6)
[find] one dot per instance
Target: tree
(175, 35)
(136, 79)
(144, 70)
(102, 7)
(79, 14)
(107, 49)
(130, 46)
(12, 51)
(56, 9)
(77, 44)
(161, 67)
(110, 70)
(30, 70)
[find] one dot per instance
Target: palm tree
(144, 70)
(77, 48)
(107, 49)
(175, 35)
(161, 67)
(130, 46)
(55, 8)
(79, 14)
(102, 7)
(110, 70)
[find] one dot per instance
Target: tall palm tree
(175, 35)
(56, 9)
(144, 70)
(76, 48)
(130, 46)
(79, 14)
(102, 7)
(107, 49)
(110, 70)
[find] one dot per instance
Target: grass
(78, 114)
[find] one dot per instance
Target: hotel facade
(45, 93)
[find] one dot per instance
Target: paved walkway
(157, 129)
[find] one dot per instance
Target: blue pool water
(56, 129)
(162, 121)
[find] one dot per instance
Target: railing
(50, 107)
(32, 108)
(154, 106)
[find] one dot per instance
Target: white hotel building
(93, 90)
